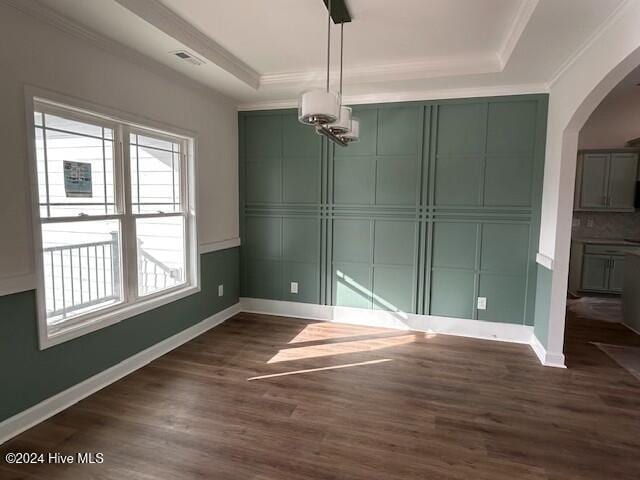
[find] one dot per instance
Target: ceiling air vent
(188, 57)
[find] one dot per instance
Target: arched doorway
(574, 94)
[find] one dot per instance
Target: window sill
(115, 315)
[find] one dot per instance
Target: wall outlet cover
(590, 223)
(482, 303)
(220, 290)
(294, 287)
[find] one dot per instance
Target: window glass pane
(161, 253)
(155, 176)
(81, 267)
(72, 126)
(146, 141)
(75, 172)
(37, 118)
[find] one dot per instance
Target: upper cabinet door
(622, 181)
(594, 181)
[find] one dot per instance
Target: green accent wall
(543, 305)
(438, 203)
(30, 375)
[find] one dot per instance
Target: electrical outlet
(220, 290)
(482, 303)
(590, 223)
(294, 287)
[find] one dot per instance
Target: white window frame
(122, 124)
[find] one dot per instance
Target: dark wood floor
(270, 398)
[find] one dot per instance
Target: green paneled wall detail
(438, 203)
(30, 375)
(374, 263)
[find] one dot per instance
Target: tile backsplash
(606, 225)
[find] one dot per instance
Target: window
(116, 225)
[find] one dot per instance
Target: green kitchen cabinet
(602, 266)
(606, 181)
(616, 274)
(602, 273)
(623, 169)
(595, 273)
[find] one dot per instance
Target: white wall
(35, 53)
(615, 121)
(600, 66)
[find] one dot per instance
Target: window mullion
(185, 208)
(46, 166)
(104, 171)
(129, 243)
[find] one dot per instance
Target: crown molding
(51, 17)
(417, 69)
(411, 96)
(619, 11)
(523, 16)
(165, 20)
(412, 70)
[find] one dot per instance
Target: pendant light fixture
(320, 107)
(354, 134)
(323, 109)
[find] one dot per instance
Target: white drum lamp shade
(354, 134)
(343, 124)
(318, 107)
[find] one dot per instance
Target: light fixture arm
(341, 53)
(328, 42)
(325, 132)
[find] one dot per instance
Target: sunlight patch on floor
(331, 331)
(328, 349)
(309, 370)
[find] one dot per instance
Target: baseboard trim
(547, 359)
(22, 421)
(503, 332)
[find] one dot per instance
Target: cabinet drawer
(610, 249)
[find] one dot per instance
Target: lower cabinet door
(595, 272)
(616, 275)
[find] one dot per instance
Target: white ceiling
(290, 35)
(263, 53)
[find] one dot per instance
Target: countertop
(606, 241)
